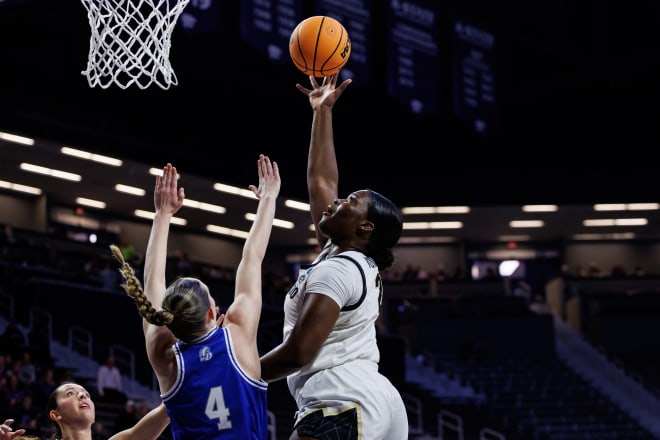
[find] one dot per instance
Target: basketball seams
(332, 55)
(316, 45)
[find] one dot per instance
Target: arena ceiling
(577, 114)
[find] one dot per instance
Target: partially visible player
(72, 412)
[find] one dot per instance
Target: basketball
(319, 46)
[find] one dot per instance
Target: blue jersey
(213, 398)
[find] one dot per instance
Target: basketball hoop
(130, 42)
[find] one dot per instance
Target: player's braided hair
(133, 288)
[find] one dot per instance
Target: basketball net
(130, 42)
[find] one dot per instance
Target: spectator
(618, 270)
(26, 415)
(109, 383)
(15, 392)
(27, 372)
(109, 276)
(45, 385)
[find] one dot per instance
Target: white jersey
(345, 374)
(352, 280)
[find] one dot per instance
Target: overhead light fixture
(91, 156)
(596, 222)
(90, 202)
(301, 206)
(432, 225)
(276, 222)
(526, 223)
(234, 190)
(204, 206)
(159, 172)
(132, 190)
(435, 210)
(150, 215)
(627, 207)
(540, 208)
(20, 188)
(16, 139)
(227, 231)
(38, 169)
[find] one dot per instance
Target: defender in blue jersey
(207, 366)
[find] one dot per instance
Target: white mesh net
(130, 42)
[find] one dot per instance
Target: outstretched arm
(245, 310)
(322, 171)
(168, 199)
(148, 427)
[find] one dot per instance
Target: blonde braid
(133, 288)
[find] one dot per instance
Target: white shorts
(381, 413)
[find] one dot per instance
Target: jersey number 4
(216, 408)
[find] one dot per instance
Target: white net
(130, 42)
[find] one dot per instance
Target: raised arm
(168, 199)
(245, 310)
(322, 171)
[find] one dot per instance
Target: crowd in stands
(28, 376)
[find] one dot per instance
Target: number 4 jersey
(213, 398)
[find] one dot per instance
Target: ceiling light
(204, 206)
(91, 156)
(90, 202)
(133, 190)
(150, 215)
(435, 210)
(226, 231)
(16, 139)
(276, 222)
(50, 172)
(234, 190)
(432, 225)
(159, 172)
(526, 223)
(301, 206)
(627, 207)
(20, 188)
(540, 208)
(596, 222)
(643, 206)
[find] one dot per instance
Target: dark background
(578, 106)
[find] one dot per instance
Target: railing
(415, 413)
(451, 422)
(125, 359)
(7, 305)
(272, 426)
(81, 340)
(39, 315)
